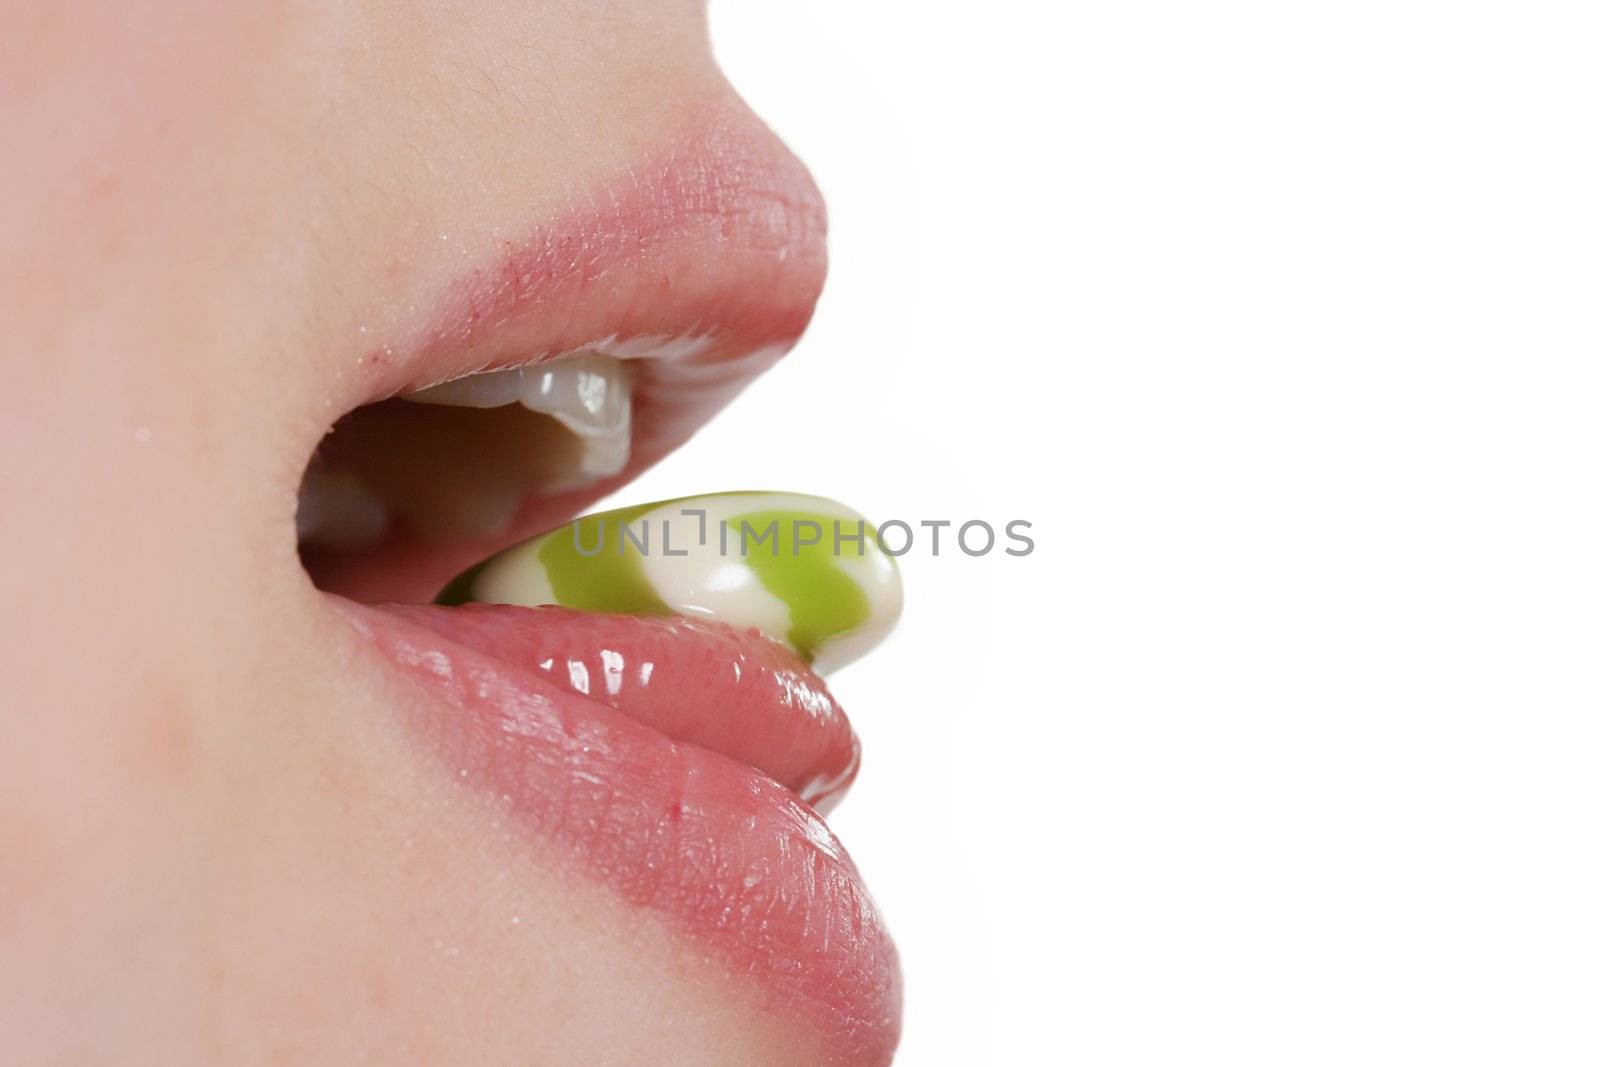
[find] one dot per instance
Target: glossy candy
(805, 570)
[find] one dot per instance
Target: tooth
(778, 567)
(587, 393)
(337, 511)
(492, 389)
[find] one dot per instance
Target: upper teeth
(448, 487)
(587, 393)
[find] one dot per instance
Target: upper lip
(721, 238)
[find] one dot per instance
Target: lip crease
(731, 858)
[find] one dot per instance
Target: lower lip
(732, 859)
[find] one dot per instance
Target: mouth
(682, 750)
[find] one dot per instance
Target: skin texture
(220, 844)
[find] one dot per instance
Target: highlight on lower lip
(730, 690)
(728, 856)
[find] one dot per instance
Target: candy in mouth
(804, 570)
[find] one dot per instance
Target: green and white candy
(805, 570)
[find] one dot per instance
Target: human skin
(218, 842)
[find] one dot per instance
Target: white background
(1279, 321)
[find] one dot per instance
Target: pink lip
(721, 238)
(733, 859)
(733, 691)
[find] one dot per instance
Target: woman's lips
(713, 251)
(728, 855)
(729, 690)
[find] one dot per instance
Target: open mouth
(669, 726)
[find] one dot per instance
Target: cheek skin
(216, 848)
